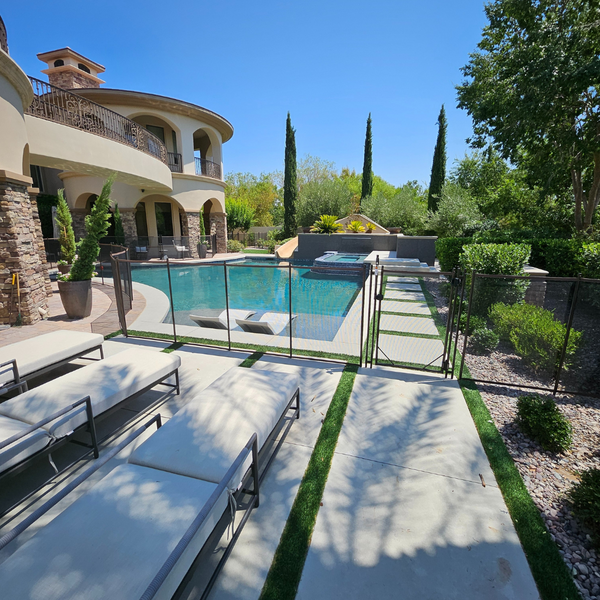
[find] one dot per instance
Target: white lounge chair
(270, 323)
(137, 532)
(108, 383)
(38, 355)
(181, 249)
(220, 322)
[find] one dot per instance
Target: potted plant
(370, 227)
(66, 237)
(356, 227)
(76, 287)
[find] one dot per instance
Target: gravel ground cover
(548, 476)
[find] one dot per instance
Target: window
(36, 174)
(83, 68)
(159, 132)
(164, 218)
(174, 142)
(141, 224)
(59, 63)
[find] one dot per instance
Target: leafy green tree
(240, 215)
(457, 213)
(119, 232)
(65, 225)
(327, 224)
(290, 186)
(96, 226)
(260, 193)
(329, 197)
(367, 176)
(532, 89)
(438, 168)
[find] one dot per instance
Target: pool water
(321, 301)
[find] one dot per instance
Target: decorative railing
(175, 163)
(208, 168)
(58, 105)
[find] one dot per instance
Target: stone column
(536, 291)
(33, 194)
(19, 253)
(218, 225)
(78, 215)
(129, 225)
(193, 231)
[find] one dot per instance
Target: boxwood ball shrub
(484, 340)
(448, 251)
(495, 259)
(540, 419)
(535, 334)
(234, 246)
(585, 497)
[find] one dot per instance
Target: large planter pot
(64, 269)
(202, 250)
(76, 298)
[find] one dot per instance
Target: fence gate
(405, 328)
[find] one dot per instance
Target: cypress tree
(438, 168)
(367, 176)
(290, 187)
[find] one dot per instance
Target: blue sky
(328, 63)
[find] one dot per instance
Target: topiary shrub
(96, 226)
(448, 251)
(585, 497)
(475, 322)
(540, 419)
(66, 237)
(535, 334)
(484, 340)
(561, 258)
(495, 259)
(234, 246)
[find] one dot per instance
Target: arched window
(82, 67)
(59, 63)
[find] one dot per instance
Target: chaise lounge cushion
(23, 448)
(45, 350)
(111, 542)
(107, 382)
(206, 435)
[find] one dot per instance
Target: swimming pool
(321, 301)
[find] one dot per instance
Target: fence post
(446, 357)
(567, 333)
(379, 298)
(374, 309)
(466, 331)
(362, 312)
(118, 294)
(459, 315)
(227, 306)
(290, 303)
(369, 316)
(171, 299)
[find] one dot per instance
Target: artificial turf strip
(249, 362)
(288, 563)
(551, 575)
(174, 346)
(113, 334)
(284, 351)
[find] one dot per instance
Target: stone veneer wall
(19, 252)
(218, 226)
(193, 231)
(78, 216)
(33, 193)
(71, 80)
(129, 225)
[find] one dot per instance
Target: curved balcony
(60, 106)
(208, 168)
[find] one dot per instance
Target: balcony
(175, 163)
(60, 106)
(208, 168)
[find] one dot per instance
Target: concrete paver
(414, 308)
(404, 513)
(399, 285)
(397, 279)
(408, 324)
(402, 295)
(403, 349)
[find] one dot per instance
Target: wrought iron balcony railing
(61, 106)
(175, 162)
(208, 168)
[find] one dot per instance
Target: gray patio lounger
(108, 383)
(23, 360)
(138, 531)
(270, 323)
(220, 322)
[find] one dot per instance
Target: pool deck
(404, 507)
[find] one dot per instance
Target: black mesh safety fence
(531, 332)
